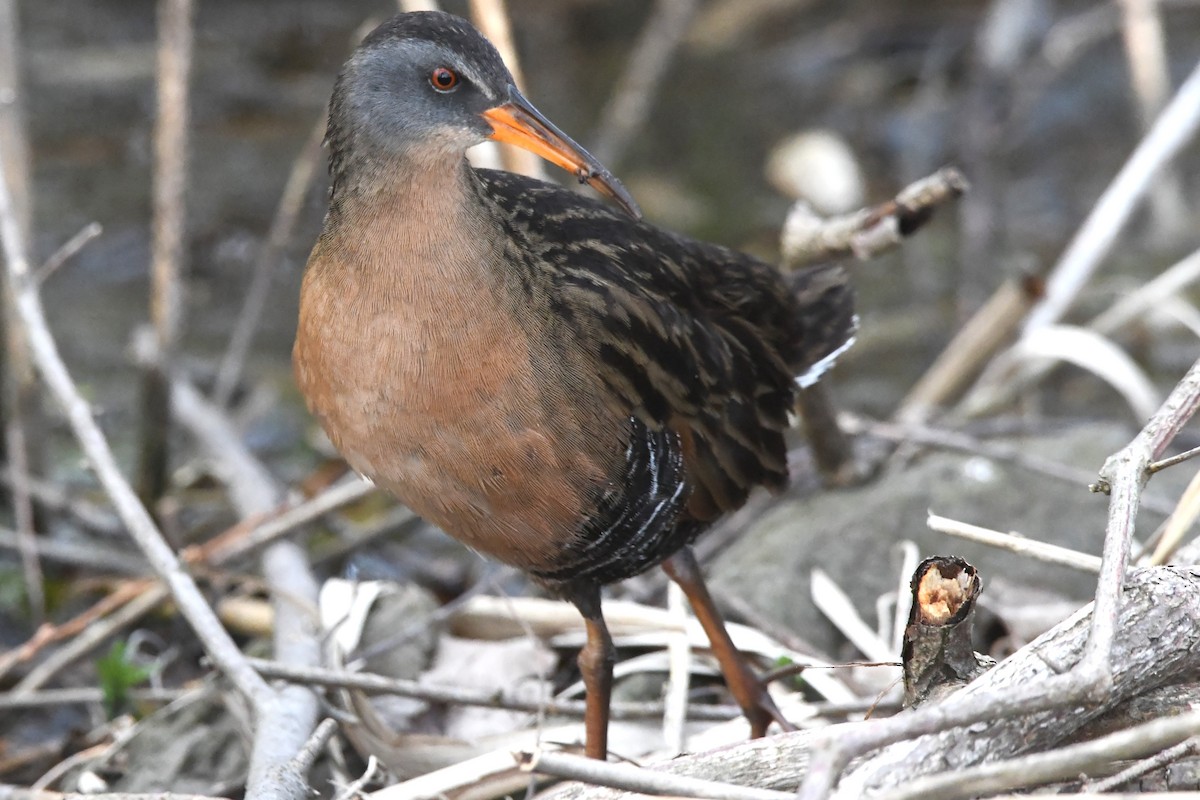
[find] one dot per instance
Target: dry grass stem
(1146, 54)
(1172, 130)
(491, 17)
(975, 344)
(1016, 543)
(138, 600)
(125, 593)
(173, 70)
(679, 672)
(1179, 523)
(23, 426)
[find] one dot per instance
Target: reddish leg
(745, 686)
(596, 664)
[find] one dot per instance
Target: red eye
(443, 79)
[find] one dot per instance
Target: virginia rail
(554, 382)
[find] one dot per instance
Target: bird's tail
(827, 321)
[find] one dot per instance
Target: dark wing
(695, 338)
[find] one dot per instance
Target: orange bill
(517, 122)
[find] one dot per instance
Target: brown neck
(401, 213)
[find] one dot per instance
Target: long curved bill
(518, 122)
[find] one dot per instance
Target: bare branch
(1056, 765)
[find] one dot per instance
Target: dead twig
(1147, 296)
(296, 770)
(983, 336)
(82, 639)
(48, 634)
(1187, 455)
(247, 539)
(91, 556)
(369, 683)
(67, 251)
(56, 497)
(1173, 130)
(355, 787)
(957, 441)
(809, 239)
(21, 793)
(50, 698)
(1156, 761)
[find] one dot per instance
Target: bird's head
(429, 85)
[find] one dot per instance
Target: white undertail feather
(813, 374)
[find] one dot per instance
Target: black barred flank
(637, 522)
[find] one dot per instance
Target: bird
(553, 381)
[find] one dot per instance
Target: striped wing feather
(689, 336)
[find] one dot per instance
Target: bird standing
(552, 381)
